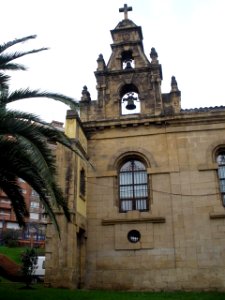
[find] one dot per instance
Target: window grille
(221, 174)
(133, 186)
(134, 236)
(82, 183)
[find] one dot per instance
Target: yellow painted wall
(71, 127)
(73, 130)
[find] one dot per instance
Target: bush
(29, 261)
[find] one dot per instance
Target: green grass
(14, 253)
(14, 292)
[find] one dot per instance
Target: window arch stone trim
(138, 152)
(210, 156)
(213, 149)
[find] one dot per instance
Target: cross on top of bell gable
(125, 10)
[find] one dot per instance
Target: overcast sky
(187, 34)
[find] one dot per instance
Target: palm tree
(6, 65)
(24, 147)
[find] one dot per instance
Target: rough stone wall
(182, 236)
(61, 267)
(66, 254)
(63, 253)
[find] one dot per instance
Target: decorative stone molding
(208, 167)
(153, 219)
(216, 216)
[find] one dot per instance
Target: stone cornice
(192, 119)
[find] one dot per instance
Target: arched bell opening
(130, 103)
(127, 60)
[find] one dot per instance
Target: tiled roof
(203, 109)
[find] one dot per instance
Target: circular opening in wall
(133, 236)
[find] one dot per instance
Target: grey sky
(188, 36)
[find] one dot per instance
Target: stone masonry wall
(182, 236)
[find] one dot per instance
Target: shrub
(29, 260)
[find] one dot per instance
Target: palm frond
(21, 163)
(8, 184)
(16, 41)
(33, 180)
(27, 93)
(3, 82)
(24, 143)
(10, 113)
(36, 126)
(33, 144)
(60, 137)
(12, 67)
(5, 58)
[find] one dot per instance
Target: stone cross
(125, 9)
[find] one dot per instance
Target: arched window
(221, 173)
(133, 186)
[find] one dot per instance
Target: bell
(128, 66)
(130, 104)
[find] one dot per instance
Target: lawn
(14, 292)
(14, 253)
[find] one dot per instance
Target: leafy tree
(24, 143)
(29, 261)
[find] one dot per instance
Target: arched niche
(129, 95)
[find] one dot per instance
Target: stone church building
(149, 213)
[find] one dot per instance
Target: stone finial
(154, 56)
(85, 94)
(101, 63)
(174, 87)
(100, 57)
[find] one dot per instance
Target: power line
(157, 191)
